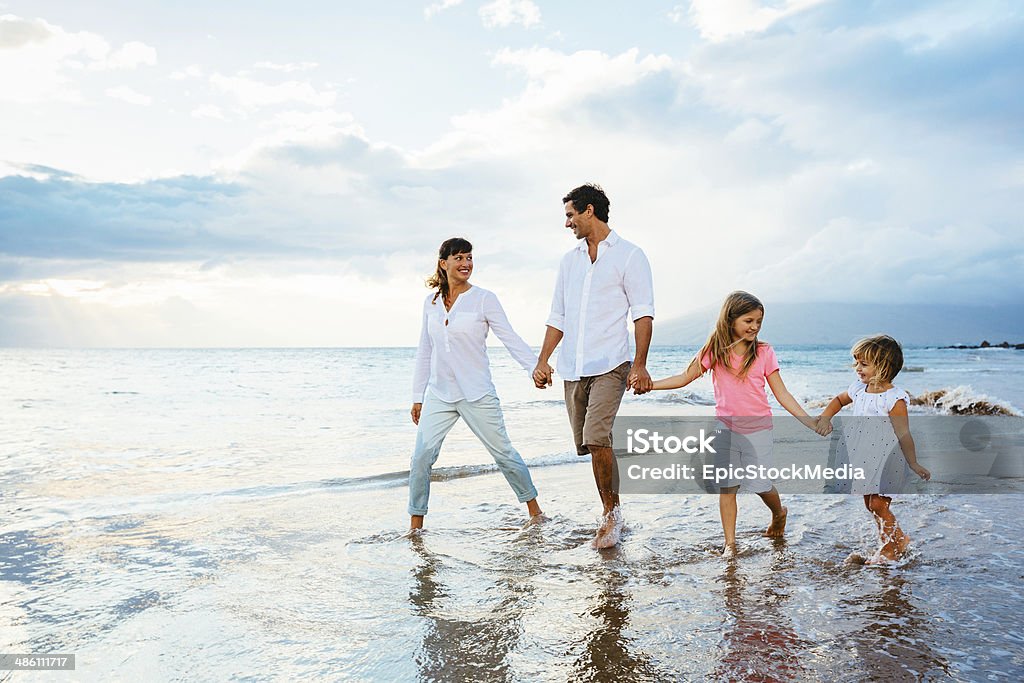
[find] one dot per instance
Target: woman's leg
(484, 418)
(436, 420)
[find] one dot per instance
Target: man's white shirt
(591, 303)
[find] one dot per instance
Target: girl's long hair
(719, 343)
(439, 280)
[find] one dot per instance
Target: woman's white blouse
(451, 360)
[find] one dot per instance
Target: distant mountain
(818, 323)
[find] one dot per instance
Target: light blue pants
(484, 418)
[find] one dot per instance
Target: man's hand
(542, 375)
(415, 412)
(639, 380)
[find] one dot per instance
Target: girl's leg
(436, 420)
(894, 541)
(484, 418)
(727, 509)
(778, 524)
(867, 505)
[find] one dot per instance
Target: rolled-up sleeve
(639, 285)
(556, 318)
(421, 374)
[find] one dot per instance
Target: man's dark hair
(590, 194)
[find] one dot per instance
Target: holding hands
(639, 380)
(823, 425)
(542, 375)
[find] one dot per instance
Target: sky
(281, 174)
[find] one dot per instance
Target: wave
(686, 398)
(959, 400)
(963, 400)
(399, 478)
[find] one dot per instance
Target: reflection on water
(759, 642)
(455, 649)
(609, 653)
(895, 640)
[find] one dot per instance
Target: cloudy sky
(280, 174)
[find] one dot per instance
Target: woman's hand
(415, 412)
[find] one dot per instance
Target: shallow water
(187, 515)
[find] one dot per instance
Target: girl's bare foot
(891, 550)
(778, 526)
(730, 551)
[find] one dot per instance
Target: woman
(453, 377)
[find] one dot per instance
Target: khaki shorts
(592, 403)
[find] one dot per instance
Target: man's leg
(604, 398)
(602, 459)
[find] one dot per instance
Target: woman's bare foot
(609, 532)
(536, 519)
(778, 526)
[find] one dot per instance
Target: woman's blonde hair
(719, 343)
(439, 280)
(882, 351)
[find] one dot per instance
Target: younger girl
(870, 441)
(740, 365)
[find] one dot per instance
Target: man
(599, 282)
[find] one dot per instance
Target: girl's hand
(415, 412)
(823, 425)
(921, 472)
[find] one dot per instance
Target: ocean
(181, 514)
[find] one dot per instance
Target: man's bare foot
(536, 519)
(610, 531)
(730, 551)
(778, 526)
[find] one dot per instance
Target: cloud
(254, 94)
(128, 56)
(126, 94)
(719, 20)
(502, 13)
(191, 71)
(208, 111)
(65, 218)
(287, 68)
(41, 62)
(16, 32)
(438, 7)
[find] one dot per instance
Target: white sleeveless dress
(871, 442)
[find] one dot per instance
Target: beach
(211, 515)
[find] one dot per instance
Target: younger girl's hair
(883, 352)
(439, 280)
(719, 342)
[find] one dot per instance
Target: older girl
(740, 366)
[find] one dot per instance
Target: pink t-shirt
(742, 404)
